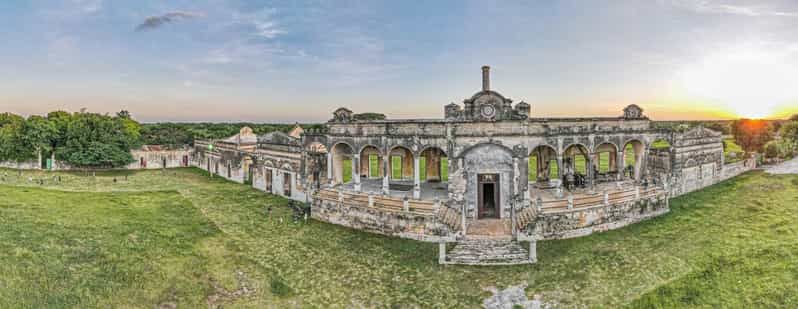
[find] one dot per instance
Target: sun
(749, 82)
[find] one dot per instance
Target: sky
(287, 61)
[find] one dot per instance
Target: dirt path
(787, 167)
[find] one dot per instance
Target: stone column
(356, 171)
(441, 253)
(613, 161)
(559, 166)
(526, 183)
(330, 176)
(533, 251)
(386, 167)
(416, 177)
(621, 164)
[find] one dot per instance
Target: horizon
(287, 62)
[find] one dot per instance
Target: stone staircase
(488, 251)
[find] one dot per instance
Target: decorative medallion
(488, 111)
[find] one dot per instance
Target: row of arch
(397, 164)
(606, 161)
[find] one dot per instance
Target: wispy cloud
(89, 6)
(261, 23)
(154, 22)
(711, 7)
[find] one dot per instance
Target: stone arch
(342, 153)
(543, 164)
(579, 156)
(371, 158)
(465, 151)
(433, 162)
(605, 157)
(401, 162)
(634, 161)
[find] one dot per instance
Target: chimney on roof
(485, 78)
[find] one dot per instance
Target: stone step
(488, 252)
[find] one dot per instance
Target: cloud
(89, 6)
(260, 23)
(154, 22)
(710, 7)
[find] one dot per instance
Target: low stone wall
(29, 165)
(584, 221)
(406, 224)
(699, 177)
(159, 159)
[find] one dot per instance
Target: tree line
(85, 140)
(773, 138)
(92, 140)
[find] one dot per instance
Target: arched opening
(633, 152)
(434, 165)
(542, 164)
(342, 163)
(401, 163)
(578, 157)
(605, 161)
(370, 159)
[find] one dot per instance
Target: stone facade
(443, 179)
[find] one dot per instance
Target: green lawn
(182, 238)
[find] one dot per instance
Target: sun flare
(750, 82)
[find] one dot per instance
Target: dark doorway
(269, 180)
(488, 196)
(287, 184)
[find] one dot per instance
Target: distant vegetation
(82, 139)
(179, 134)
(722, 126)
(369, 116)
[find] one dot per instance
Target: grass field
(180, 238)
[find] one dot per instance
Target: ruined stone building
(486, 176)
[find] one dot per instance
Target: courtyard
(181, 239)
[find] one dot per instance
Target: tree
(13, 146)
(752, 134)
(794, 117)
(100, 141)
(39, 133)
(61, 121)
(789, 132)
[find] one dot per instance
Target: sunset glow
(253, 60)
(751, 83)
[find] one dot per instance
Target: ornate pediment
(342, 114)
(633, 112)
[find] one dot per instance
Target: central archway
(542, 164)
(342, 162)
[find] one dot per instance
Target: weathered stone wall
(156, 159)
(581, 222)
(697, 177)
(27, 165)
(399, 224)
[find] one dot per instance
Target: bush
(772, 150)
